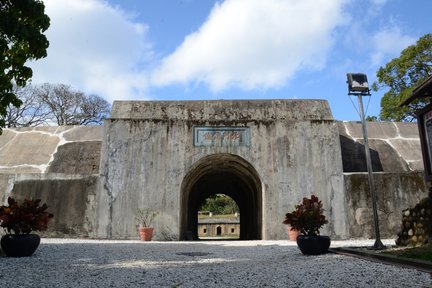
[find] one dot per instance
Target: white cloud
(96, 48)
(254, 44)
(389, 42)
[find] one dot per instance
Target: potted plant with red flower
(308, 217)
(19, 221)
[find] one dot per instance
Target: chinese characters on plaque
(221, 136)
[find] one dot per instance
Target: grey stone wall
(148, 150)
(58, 165)
(398, 166)
(395, 192)
(71, 198)
(416, 227)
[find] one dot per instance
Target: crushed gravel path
(106, 263)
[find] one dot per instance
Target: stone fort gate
(169, 156)
(265, 154)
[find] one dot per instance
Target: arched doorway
(222, 174)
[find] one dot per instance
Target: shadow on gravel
(382, 257)
(190, 264)
(151, 264)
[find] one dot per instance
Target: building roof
(218, 220)
(422, 91)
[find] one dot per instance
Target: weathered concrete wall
(396, 151)
(6, 185)
(148, 149)
(63, 149)
(395, 147)
(296, 149)
(71, 198)
(395, 192)
(54, 164)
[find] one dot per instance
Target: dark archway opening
(222, 174)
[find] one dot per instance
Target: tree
(32, 111)
(55, 104)
(22, 23)
(219, 204)
(402, 75)
(372, 119)
(72, 107)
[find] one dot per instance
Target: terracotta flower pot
(146, 233)
(292, 233)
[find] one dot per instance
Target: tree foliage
(219, 204)
(55, 104)
(372, 119)
(401, 75)
(22, 23)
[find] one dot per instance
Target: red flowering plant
(307, 217)
(24, 218)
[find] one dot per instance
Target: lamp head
(357, 83)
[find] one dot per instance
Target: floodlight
(358, 86)
(357, 83)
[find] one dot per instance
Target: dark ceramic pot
(19, 245)
(313, 245)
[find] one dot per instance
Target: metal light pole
(358, 86)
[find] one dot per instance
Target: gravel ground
(107, 263)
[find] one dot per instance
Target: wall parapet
(235, 110)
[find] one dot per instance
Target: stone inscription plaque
(221, 136)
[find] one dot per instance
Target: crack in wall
(59, 133)
(61, 142)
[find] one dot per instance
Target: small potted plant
(308, 218)
(19, 221)
(292, 233)
(145, 217)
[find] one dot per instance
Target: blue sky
(232, 49)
